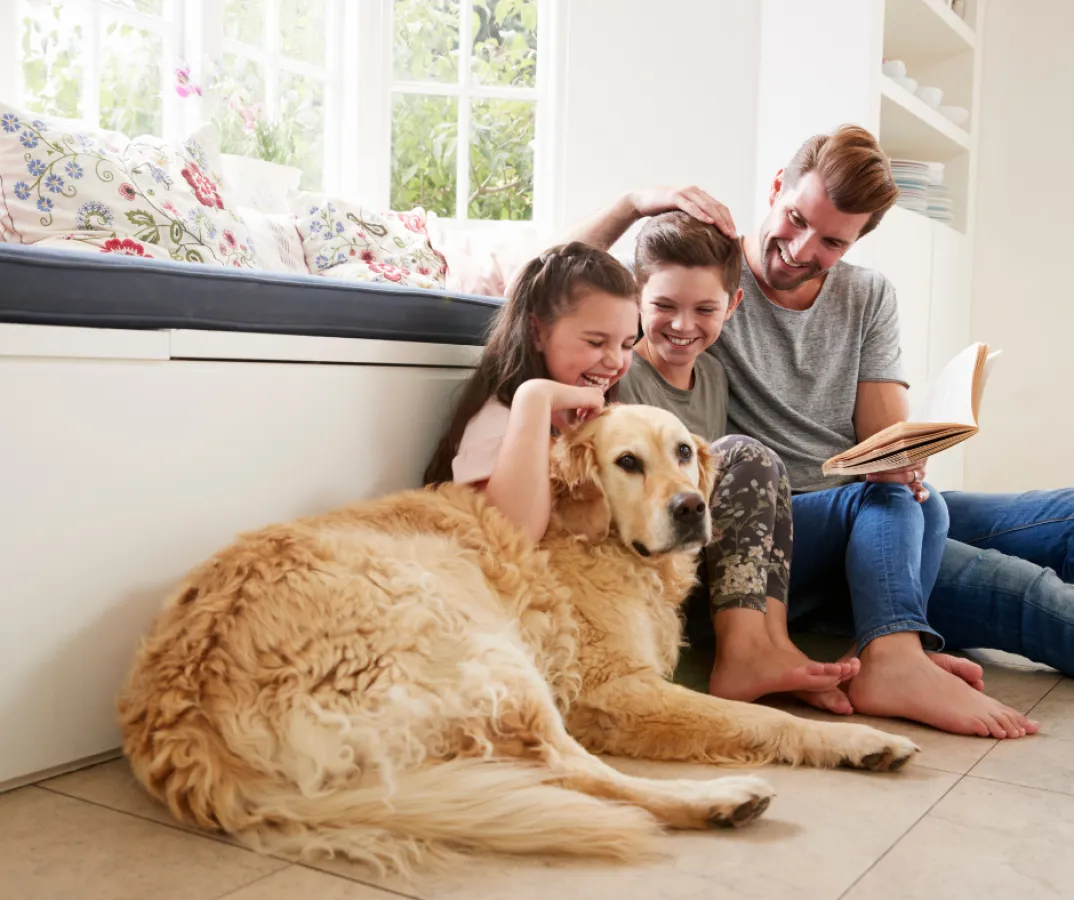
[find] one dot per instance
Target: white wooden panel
(118, 476)
(192, 344)
(949, 332)
(81, 343)
(901, 248)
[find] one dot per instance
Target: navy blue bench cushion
(45, 286)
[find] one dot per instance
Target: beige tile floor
(972, 817)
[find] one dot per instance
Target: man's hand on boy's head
(699, 204)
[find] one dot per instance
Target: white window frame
(93, 15)
(358, 93)
(370, 144)
(206, 19)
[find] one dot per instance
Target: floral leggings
(749, 558)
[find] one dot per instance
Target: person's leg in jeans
(747, 566)
(890, 548)
(984, 598)
(1037, 526)
(1007, 577)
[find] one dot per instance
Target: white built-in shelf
(924, 29)
(910, 127)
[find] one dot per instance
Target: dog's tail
(433, 814)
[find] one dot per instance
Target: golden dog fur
(408, 678)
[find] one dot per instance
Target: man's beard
(779, 278)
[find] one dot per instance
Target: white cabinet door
(949, 332)
(902, 249)
(120, 475)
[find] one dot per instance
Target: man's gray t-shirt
(702, 409)
(793, 374)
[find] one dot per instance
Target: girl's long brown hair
(549, 286)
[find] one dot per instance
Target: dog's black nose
(687, 509)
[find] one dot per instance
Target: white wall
(815, 84)
(1023, 300)
(659, 92)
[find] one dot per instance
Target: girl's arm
(520, 485)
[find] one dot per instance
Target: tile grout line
(901, 837)
(243, 887)
(996, 743)
(378, 887)
(961, 777)
(169, 825)
(1018, 784)
(219, 840)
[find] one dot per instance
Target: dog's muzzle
(689, 512)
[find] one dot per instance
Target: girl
(689, 275)
(559, 346)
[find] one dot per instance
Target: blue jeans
(874, 543)
(1006, 578)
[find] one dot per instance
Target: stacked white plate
(939, 203)
(912, 179)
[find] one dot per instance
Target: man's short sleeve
(881, 353)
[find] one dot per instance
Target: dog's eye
(628, 462)
(686, 452)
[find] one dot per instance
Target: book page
(989, 365)
(951, 396)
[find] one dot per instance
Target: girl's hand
(567, 403)
(585, 401)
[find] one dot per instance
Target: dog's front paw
(877, 751)
(735, 801)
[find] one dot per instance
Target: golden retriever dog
(411, 678)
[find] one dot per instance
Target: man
(814, 366)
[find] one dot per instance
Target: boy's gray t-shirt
(793, 374)
(702, 409)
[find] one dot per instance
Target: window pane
(244, 20)
(505, 42)
(52, 60)
(425, 42)
(425, 132)
(236, 97)
(131, 99)
(302, 115)
(303, 26)
(151, 7)
(501, 159)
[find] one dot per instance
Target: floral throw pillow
(106, 193)
(349, 241)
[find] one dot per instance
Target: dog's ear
(708, 464)
(578, 500)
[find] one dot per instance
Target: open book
(948, 416)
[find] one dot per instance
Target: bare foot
(833, 700)
(746, 670)
(899, 680)
(966, 669)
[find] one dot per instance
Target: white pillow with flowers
(349, 241)
(110, 194)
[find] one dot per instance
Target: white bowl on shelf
(932, 96)
(894, 68)
(959, 115)
(907, 84)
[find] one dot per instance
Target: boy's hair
(856, 172)
(548, 287)
(678, 239)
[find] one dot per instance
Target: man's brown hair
(855, 171)
(678, 239)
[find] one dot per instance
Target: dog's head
(637, 471)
